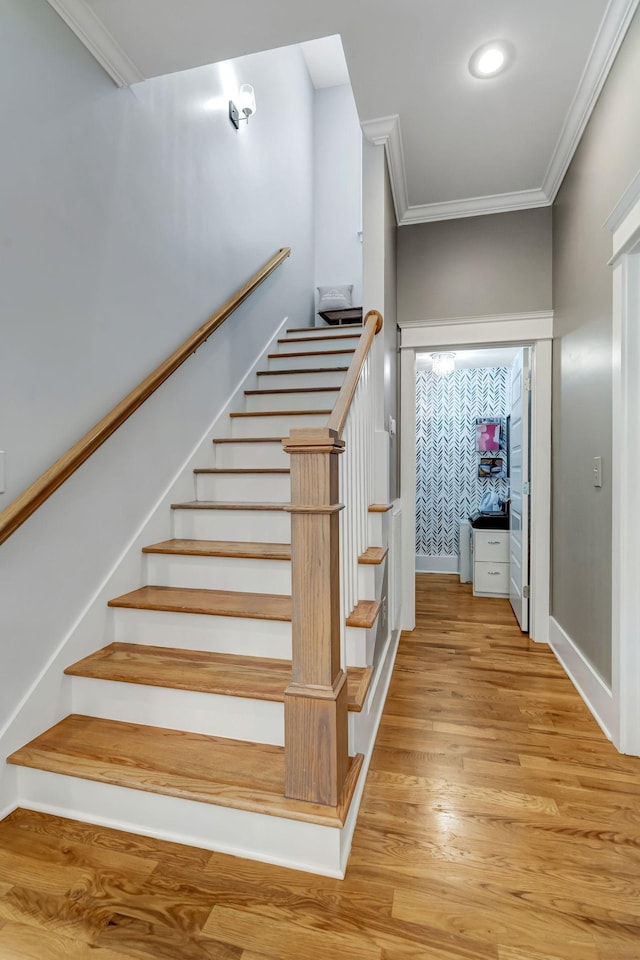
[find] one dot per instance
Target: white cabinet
(491, 563)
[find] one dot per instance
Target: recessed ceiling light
(491, 59)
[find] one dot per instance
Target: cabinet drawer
(491, 577)
(492, 545)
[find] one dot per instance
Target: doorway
(514, 334)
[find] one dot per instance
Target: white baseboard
(366, 732)
(426, 564)
(587, 681)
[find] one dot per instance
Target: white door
(519, 492)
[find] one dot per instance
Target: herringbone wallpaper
(448, 487)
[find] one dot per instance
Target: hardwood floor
(497, 824)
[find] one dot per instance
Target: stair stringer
(49, 698)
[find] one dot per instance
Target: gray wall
(475, 266)
(607, 159)
(127, 217)
(338, 189)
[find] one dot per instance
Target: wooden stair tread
(248, 439)
(307, 353)
(320, 338)
(351, 326)
(242, 470)
(191, 766)
(380, 507)
(248, 550)
(229, 603)
(280, 413)
(218, 603)
(225, 674)
(364, 614)
(277, 373)
(373, 555)
(228, 505)
(222, 548)
(261, 393)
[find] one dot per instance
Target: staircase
(178, 725)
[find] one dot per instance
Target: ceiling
(457, 146)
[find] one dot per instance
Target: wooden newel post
(315, 705)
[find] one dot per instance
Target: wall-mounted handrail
(41, 489)
(338, 418)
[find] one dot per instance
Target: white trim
(408, 488)
(624, 219)
(88, 28)
(7, 809)
(473, 333)
(366, 733)
(386, 130)
(501, 328)
(540, 505)
(534, 315)
(611, 33)
(475, 206)
(624, 222)
(589, 684)
(427, 564)
(241, 833)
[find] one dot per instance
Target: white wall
(338, 189)
(128, 216)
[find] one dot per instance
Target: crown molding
(613, 28)
(385, 131)
(476, 206)
(97, 39)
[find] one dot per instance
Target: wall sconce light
(443, 364)
(246, 106)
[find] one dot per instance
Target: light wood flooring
(497, 824)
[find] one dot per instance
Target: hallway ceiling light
(246, 106)
(490, 59)
(443, 364)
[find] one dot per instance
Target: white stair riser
(247, 455)
(291, 843)
(250, 487)
(310, 360)
(360, 644)
(378, 529)
(236, 718)
(333, 343)
(277, 426)
(237, 635)
(292, 401)
(192, 631)
(370, 578)
(265, 526)
(219, 573)
(286, 380)
(326, 329)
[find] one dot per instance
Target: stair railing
(324, 567)
(34, 496)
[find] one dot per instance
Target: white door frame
(624, 223)
(536, 330)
